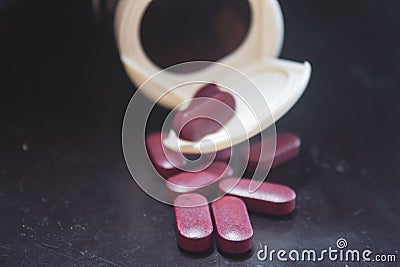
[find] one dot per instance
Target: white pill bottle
(246, 35)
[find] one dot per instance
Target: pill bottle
(245, 34)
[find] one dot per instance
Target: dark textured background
(69, 199)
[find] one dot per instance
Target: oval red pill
(287, 148)
(193, 222)
(224, 155)
(201, 181)
(206, 114)
(269, 198)
(207, 90)
(165, 161)
(220, 169)
(232, 223)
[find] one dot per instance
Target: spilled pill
(193, 222)
(220, 169)
(165, 161)
(287, 148)
(198, 181)
(269, 198)
(224, 155)
(207, 90)
(232, 223)
(207, 112)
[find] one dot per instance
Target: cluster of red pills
(187, 189)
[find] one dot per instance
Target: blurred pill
(220, 169)
(193, 222)
(165, 161)
(203, 182)
(232, 223)
(273, 199)
(287, 148)
(207, 90)
(206, 114)
(224, 155)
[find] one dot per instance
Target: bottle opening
(178, 31)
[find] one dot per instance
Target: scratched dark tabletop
(67, 198)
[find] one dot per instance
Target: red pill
(200, 181)
(193, 222)
(224, 155)
(165, 166)
(207, 91)
(287, 148)
(207, 112)
(232, 222)
(269, 198)
(220, 169)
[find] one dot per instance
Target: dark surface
(69, 199)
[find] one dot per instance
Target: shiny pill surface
(269, 198)
(232, 223)
(193, 222)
